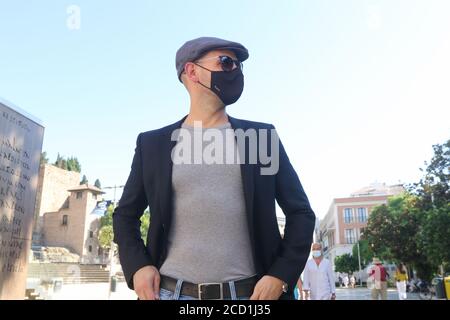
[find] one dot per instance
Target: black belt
(211, 291)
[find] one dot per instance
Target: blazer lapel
(165, 172)
(247, 173)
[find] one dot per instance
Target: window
(65, 220)
(91, 234)
(350, 236)
(362, 215)
(79, 195)
(348, 215)
(90, 248)
(331, 239)
(94, 196)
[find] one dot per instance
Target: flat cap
(194, 49)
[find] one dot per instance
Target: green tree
(434, 188)
(434, 236)
(415, 227)
(106, 234)
(44, 159)
(70, 164)
(433, 198)
(60, 162)
(84, 180)
(365, 252)
(145, 224)
(392, 232)
(98, 184)
(346, 263)
(73, 164)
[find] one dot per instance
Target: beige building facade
(347, 218)
(75, 226)
(52, 193)
(65, 214)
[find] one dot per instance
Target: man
(318, 276)
(378, 276)
(213, 231)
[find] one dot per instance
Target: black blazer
(150, 184)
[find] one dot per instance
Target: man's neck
(208, 115)
(318, 260)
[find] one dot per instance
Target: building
(347, 217)
(67, 215)
(52, 193)
(75, 226)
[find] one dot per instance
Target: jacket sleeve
(300, 221)
(126, 221)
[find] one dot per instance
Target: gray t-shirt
(209, 238)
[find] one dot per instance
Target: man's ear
(190, 72)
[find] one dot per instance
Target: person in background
(401, 277)
(352, 281)
(318, 277)
(378, 276)
(346, 281)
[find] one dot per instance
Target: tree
(392, 231)
(73, 164)
(414, 227)
(433, 207)
(346, 263)
(70, 164)
(365, 253)
(434, 236)
(145, 224)
(44, 159)
(98, 184)
(106, 234)
(84, 180)
(60, 162)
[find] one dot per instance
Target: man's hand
(268, 288)
(146, 283)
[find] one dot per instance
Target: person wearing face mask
(213, 231)
(318, 276)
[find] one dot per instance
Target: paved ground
(93, 291)
(99, 291)
(364, 294)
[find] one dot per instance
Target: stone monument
(21, 138)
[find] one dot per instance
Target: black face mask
(227, 85)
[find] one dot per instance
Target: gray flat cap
(194, 49)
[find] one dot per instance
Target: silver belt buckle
(209, 284)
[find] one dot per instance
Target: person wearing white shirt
(318, 277)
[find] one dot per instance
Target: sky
(357, 89)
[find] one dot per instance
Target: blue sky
(358, 90)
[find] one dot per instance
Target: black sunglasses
(227, 63)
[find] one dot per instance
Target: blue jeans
(169, 295)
